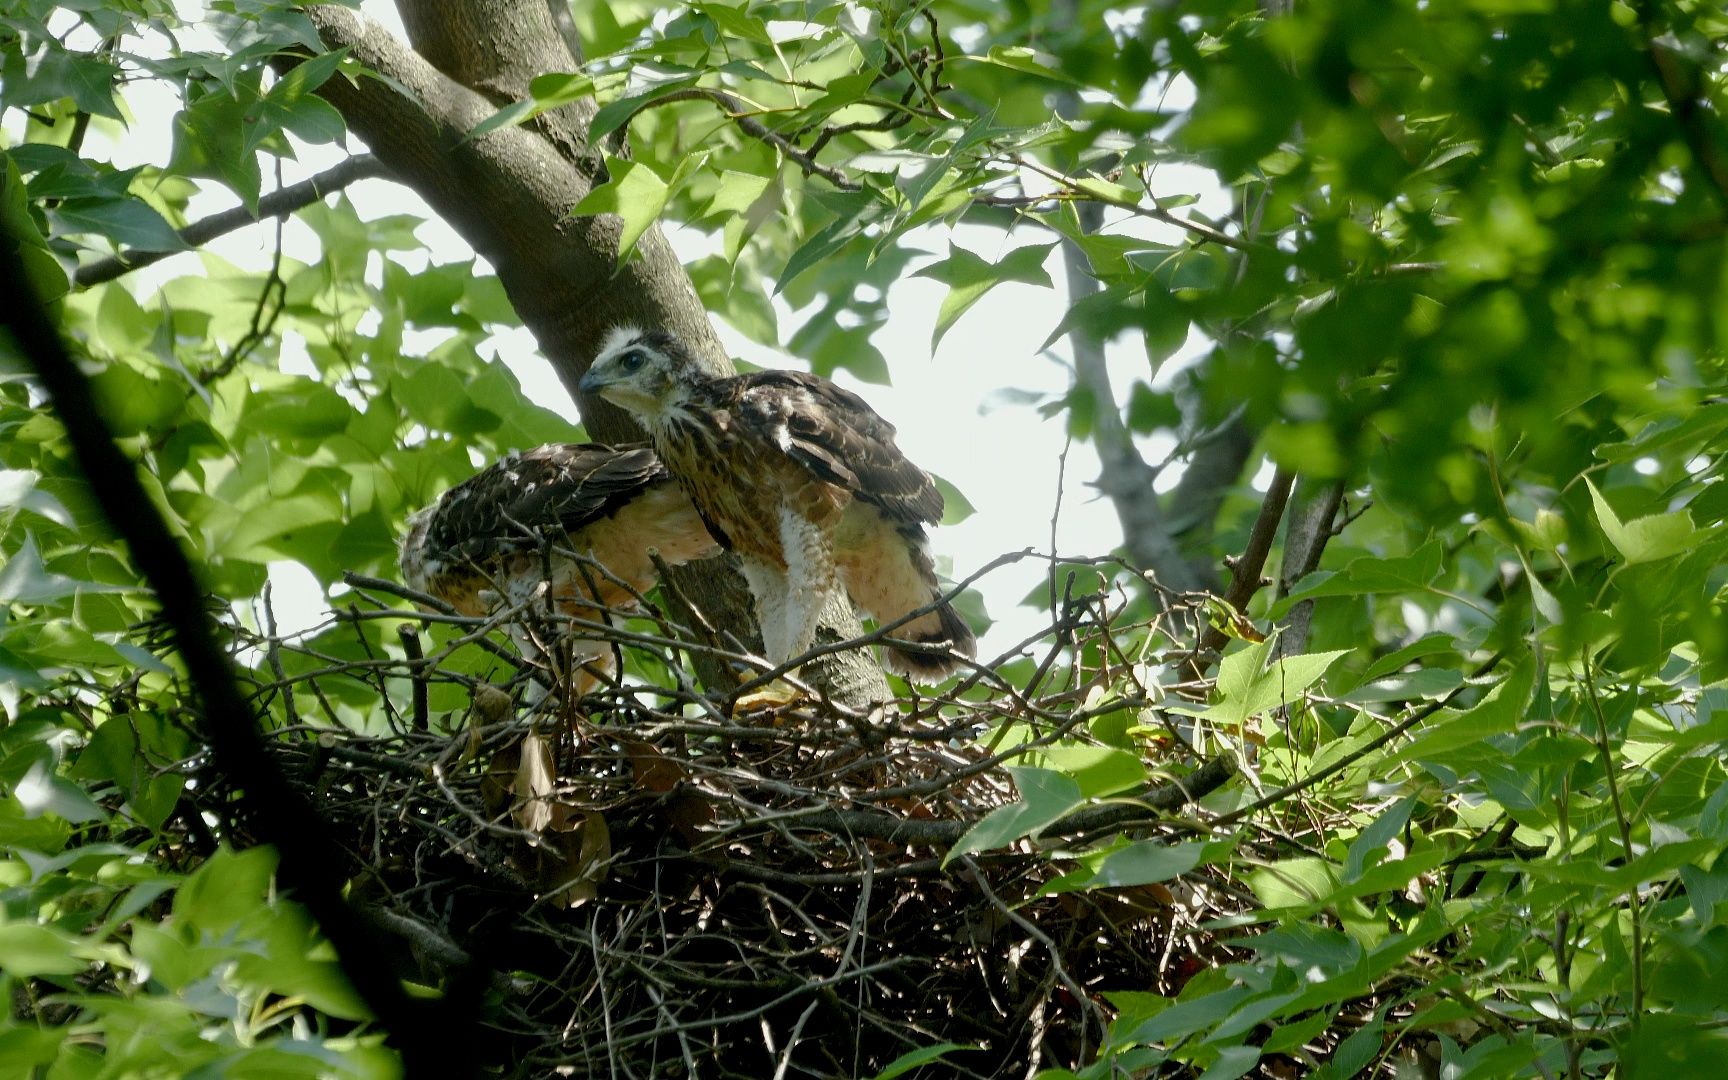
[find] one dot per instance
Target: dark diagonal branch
(1682, 87)
(281, 815)
(279, 203)
(1246, 570)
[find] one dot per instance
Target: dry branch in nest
(646, 886)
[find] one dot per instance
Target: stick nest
(638, 884)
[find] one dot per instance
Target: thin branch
(1624, 826)
(737, 111)
(1245, 572)
(274, 205)
(1074, 192)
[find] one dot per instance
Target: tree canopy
(1386, 741)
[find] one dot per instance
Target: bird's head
(643, 372)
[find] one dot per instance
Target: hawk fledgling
(802, 479)
(482, 543)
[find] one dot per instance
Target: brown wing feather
(836, 435)
(568, 485)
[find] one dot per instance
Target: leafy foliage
(1475, 277)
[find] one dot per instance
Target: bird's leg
(810, 577)
(768, 589)
(789, 604)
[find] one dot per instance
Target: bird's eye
(631, 361)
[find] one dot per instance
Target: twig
(737, 112)
(411, 650)
(1147, 806)
(201, 232)
(1634, 902)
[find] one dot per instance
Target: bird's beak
(593, 381)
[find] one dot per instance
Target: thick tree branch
(509, 193)
(1124, 477)
(1245, 571)
(428, 1039)
(1313, 509)
(279, 203)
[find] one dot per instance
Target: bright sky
(952, 420)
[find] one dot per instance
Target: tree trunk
(509, 194)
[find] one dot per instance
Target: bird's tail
(888, 572)
(944, 630)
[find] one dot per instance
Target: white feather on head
(617, 338)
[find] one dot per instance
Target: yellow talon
(776, 695)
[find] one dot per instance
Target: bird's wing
(504, 507)
(836, 435)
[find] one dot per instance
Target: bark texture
(509, 193)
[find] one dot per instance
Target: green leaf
(1376, 837)
(969, 277)
(637, 194)
(304, 409)
(1046, 797)
(41, 791)
(552, 90)
(1248, 686)
(1496, 714)
(955, 506)
(1098, 770)
(1357, 1052)
(1294, 883)
(272, 534)
(1233, 1061)
(1414, 572)
(1645, 539)
(18, 491)
(737, 192)
(910, 1060)
(1025, 61)
(59, 73)
(615, 114)
(436, 396)
(856, 212)
(1188, 1017)
(26, 579)
(28, 951)
(211, 139)
(291, 104)
(228, 888)
(130, 222)
(1143, 862)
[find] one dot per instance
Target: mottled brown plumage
(484, 542)
(803, 480)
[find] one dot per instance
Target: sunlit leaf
(969, 277)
